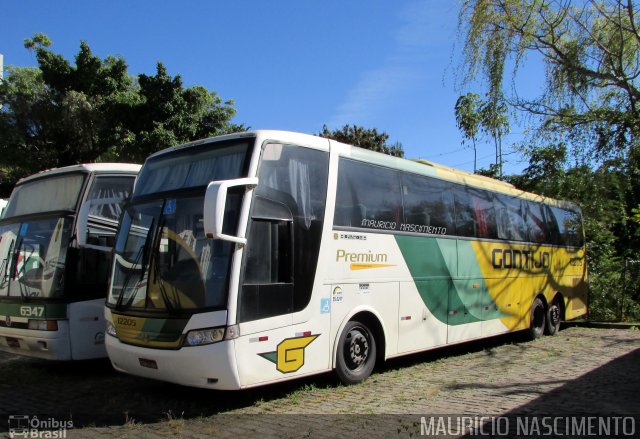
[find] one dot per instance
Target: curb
(601, 325)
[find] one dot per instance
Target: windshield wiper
(16, 255)
(173, 307)
(6, 266)
(140, 255)
(13, 273)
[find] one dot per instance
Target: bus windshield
(163, 261)
(54, 193)
(192, 167)
(33, 256)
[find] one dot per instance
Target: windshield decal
(169, 207)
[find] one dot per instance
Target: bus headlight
(43, 325)
(111, 329)
(201, 337)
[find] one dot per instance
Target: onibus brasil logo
(289, 356)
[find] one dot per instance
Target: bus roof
(416, 166)
(128, 168)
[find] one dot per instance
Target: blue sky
(292, 65)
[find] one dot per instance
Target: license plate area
(13, 342)
(150, 364)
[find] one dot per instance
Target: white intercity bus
(56, 246)
(259, 257)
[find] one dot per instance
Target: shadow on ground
(91, 393)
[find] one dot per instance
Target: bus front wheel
(356, 355)
(538, 319)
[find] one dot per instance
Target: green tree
(591, 50)
(495, 124)
(60, 113)
(474, 115)
(467, 110)
(364, 138)
(584, 125)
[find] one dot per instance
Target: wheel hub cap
(358, 348)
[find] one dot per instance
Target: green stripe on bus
(433, 264)
(164, 329)
(34, 310)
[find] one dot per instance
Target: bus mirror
(215, 201)
(82, 224)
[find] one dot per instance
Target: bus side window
(427, 202)
(368, 196)
(93, 261)
(465, 219)
(509, 218)
(569, 226)
(103, 217)
(551, 226)
(484, 213)
(269, 255)
(288, 209)
(536, 224)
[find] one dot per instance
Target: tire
(538, 319)
(554, 317)
(356, 354)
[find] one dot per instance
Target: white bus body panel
(86, 323)
(211, 366)
(46, 345)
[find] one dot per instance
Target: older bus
(264, 256)
(56, 243)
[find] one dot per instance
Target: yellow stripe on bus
(355, 266)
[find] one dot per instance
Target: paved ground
(579, 372)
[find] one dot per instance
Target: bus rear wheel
(554, 316)
(538, 319)
(356, 355)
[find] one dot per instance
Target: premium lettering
(345, 256)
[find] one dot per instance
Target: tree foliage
(364, 138)
(489, 117)
(467, 110)
(584, 125)
(60, 113)
(591, 49)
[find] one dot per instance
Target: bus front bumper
(47, 345)
(210, 366)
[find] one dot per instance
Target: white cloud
(420, 31)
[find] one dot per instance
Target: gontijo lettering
(509, 258)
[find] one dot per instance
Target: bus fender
(363, 309)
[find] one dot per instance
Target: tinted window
(368, 196)
(475, 213)
(270, 251)
(192, 167)
(509, 219)
(58, 192)
(109, 192)
(464, 213)
(285, 231)
(484, 215)
(537, 228)
(427, 205)
(93, 265)
(569, 226)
